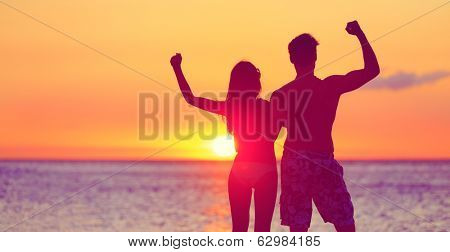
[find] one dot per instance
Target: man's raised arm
(357, 78)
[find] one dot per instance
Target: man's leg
(298, 229)
(296, 192)
(333, 200)
(345, 228)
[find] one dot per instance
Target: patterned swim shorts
(318, 177)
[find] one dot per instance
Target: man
(307, 108)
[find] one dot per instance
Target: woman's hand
(175, 61)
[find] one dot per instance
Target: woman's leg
(265, 199)
(240, 196)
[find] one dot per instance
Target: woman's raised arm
(213, 106)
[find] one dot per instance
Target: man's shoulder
(332, 79)
(284, 89)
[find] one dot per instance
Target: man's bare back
(306, 107)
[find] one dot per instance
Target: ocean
(192, 196)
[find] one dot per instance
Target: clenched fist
(176, 60)
(353, 28)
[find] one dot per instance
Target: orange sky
(62, 100)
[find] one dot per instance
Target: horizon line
(443, 159)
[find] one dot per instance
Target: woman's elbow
(189, 99)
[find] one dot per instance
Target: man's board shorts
(318, 177)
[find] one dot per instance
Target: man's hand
(357, 78)
(175, 61)
(353, 28)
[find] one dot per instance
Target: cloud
(403, 80)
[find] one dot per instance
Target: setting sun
(223, 146)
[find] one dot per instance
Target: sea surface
(192, 196)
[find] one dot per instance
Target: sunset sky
(62, 100)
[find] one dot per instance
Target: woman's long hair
(244, 83)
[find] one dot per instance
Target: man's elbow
(373, 72)
(377, 71)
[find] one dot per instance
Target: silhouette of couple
(306, 107)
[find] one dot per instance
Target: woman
(248, 119)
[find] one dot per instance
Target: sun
(223, 146)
